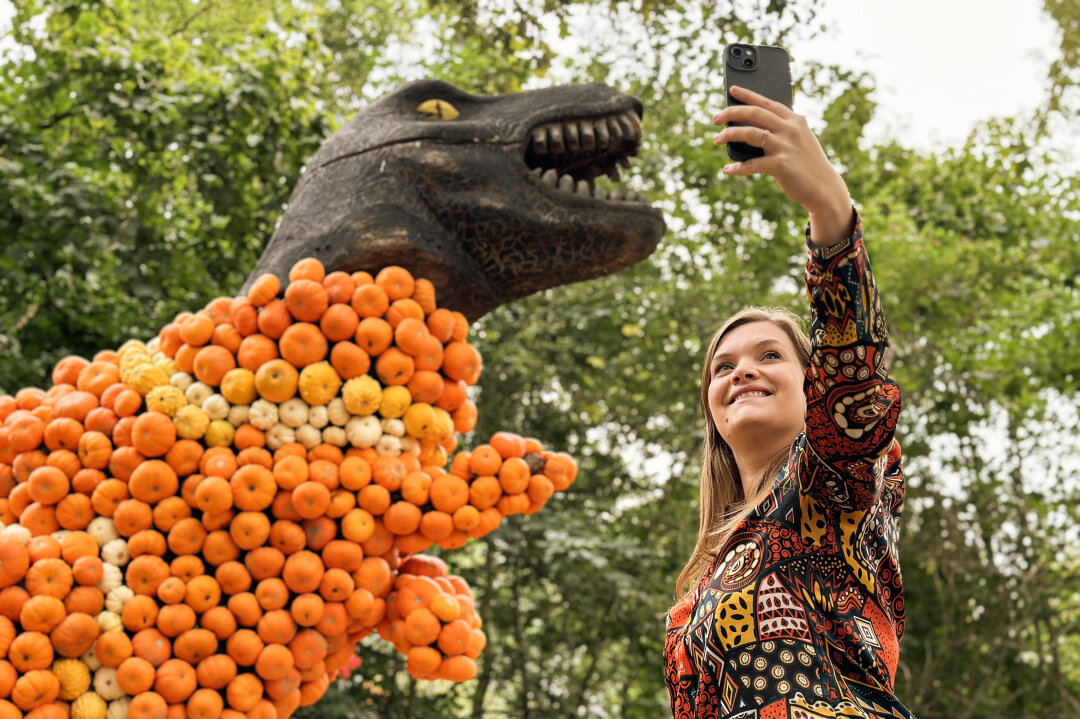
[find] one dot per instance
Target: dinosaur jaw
(565, 156)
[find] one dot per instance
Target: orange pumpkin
(75, 635)
(35, 688)
(14, 561)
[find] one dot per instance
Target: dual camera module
(742, 56)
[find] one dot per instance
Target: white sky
(941, 65)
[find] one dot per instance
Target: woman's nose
(744, 370)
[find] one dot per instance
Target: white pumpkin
(216, 407)
(17, 532)
(197, 392)
(112, 579)
(388, 444)
(318, 416)
(335, 436)
(238, 414)
(90, 660)
(293, 412)
(181, 380)
(119, 708)
(279, 435)
(308, 436)
(116, 553)
(337, 413)
(363, 431)
(263, 414)
(117, 598)
(105, 684)
(102, 530)
(109, 622)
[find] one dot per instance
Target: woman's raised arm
(852, 405)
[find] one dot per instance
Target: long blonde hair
(723, 506)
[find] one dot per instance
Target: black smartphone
(762, 68)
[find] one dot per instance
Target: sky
(941, 66)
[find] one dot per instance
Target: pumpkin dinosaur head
(493, 198)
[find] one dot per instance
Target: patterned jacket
(801, 612)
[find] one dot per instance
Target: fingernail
(716, 119)
(716, 140)
(729, 168)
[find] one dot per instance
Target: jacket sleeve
(851, 404)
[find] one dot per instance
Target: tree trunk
(485, 611)
(523, 669)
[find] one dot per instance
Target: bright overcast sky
(941, 65)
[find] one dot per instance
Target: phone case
(770, 76)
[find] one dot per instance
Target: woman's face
(757, 384)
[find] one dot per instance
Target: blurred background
(147, 149)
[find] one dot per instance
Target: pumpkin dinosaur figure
(207, 523)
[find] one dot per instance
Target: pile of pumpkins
(204, 525)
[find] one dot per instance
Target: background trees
(147, 148)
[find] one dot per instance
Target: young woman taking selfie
(791, 604)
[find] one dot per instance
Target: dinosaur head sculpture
(492, 198)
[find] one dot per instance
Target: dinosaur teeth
(555, 139)
(613, 174)
(602, 135)
(616, 130)
(583, 188)
(540, 140)
(598, 133)
(588, 137)
(624, 162)
(570, 135)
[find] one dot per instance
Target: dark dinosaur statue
(491, 198)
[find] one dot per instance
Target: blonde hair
(723, 506)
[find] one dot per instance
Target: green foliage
(147, 148)
(141, 174)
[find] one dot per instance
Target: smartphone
(762, 68)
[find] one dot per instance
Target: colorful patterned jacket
(801, 612)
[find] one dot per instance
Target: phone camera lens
(748, 62)
(736, 52)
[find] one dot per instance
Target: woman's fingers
(751, 115)
(752, 98)
(753, 166)
(750, 135)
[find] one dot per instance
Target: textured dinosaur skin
(492, 205)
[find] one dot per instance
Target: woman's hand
(794, 157)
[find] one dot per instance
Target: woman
(792, 604)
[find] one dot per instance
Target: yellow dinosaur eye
(437, 110)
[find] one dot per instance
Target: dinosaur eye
(437, 109)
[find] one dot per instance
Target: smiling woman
(791, 603)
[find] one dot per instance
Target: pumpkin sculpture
(207, 523)
(211, 520)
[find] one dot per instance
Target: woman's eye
(722, 367)
(771, 354)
